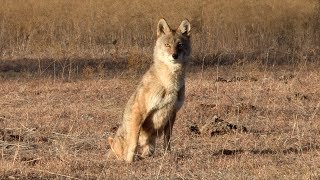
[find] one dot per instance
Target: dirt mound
(217, 126)
(236, 78)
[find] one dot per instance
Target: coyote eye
(167, 45)
(180, 45)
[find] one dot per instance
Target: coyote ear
(110, 140)
(163, 27)
(185, 27)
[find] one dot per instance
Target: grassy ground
(50, 128)
(67, 69)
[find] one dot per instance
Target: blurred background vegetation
(223, 31)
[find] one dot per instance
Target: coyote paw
(147, 150)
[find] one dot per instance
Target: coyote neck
(171, 76)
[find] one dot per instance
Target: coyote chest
(162, 106)
(162, 103)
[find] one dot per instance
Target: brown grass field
(67, 68)
(57, 129)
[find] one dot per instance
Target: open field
(281, 31)
(67, 69)
(56, 129)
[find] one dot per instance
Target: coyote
(152, 108)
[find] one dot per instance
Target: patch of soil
(286, 78)
(236, 78)
(216, 126)
(240, 108)
(298, 96)
(23, 140)
(10, 135)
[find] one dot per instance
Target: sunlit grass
(72, 29)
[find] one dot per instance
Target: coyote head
(172, 46)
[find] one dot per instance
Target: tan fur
(152, 108)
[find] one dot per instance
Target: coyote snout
(152, 108)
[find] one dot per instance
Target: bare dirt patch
(217, 126)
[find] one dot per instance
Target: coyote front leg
(133, 133)
(168, 132)
(147, 141)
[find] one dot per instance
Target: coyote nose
(175, 56)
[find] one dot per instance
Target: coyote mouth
(175, 61)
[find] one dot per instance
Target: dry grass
(56, 129)
(67, 69)
(227, 30)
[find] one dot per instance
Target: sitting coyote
(152, 108)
